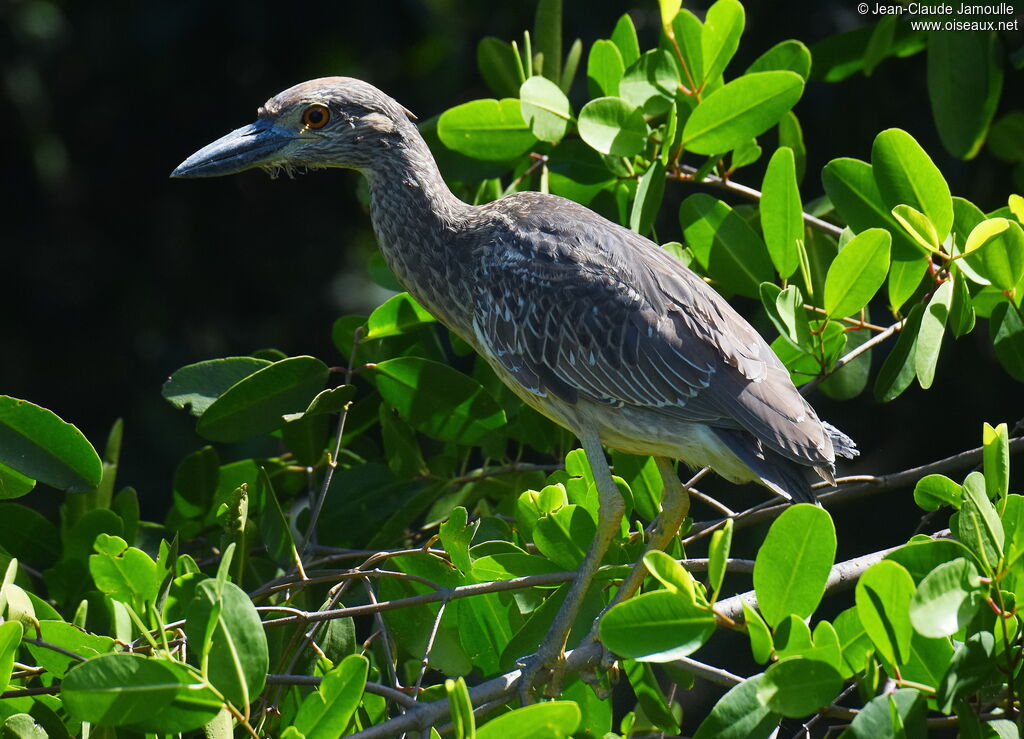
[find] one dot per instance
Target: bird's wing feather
(577, 306)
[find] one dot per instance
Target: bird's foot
(603, 676)
(545, 667)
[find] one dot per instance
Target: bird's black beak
(255, 145)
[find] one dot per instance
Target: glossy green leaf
(325, 713)
(565, 535)
(257, 404)
(499, 66)
(604, 69)
(545, 108)
(782, 221)
(718, 553)
(456, 536)
(792, 637)
(740, 110)
(437, 400)
(740, 714)
(934, 491)
(961, 311)
(22, 726)
(796, 686)
(195, 387)
(761, 645)
(36, 444)
(624, 37)
(125, 573)
(670, 573)
(792, 136)
(947, 599)
(613, 126)
(399, 314)
(789, 55)
(118, 689)
(723, 26)
(898, 369)
(793, 563)
(491, 130)
(326, 402)
(906, 174)
(996, 460)
(656, 627)
(896, 715)
(1007, 329)
(853, 641)
(689, 34)
(725, 245)
(916, 224)
(550, 720)
(10, 640)
(650, 82)
(857, 272)
(995, 250)
(965, 78)
(978, 525)
(933, 327)
(883, 596)
(789, 305)
(649, 192)
(225, 633)
(13, 484)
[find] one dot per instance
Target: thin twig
(853, 354)
(385, 691)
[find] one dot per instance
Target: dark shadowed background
(114, 276)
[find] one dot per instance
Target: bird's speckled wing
(576, 306)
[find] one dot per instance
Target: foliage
(231, 614)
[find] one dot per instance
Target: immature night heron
(596, 327)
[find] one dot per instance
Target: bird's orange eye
(316, 116)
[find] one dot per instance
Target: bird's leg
(675, 505)
(550, 654)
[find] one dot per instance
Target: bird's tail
(842, 444)
(783, 477)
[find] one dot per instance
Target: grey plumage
(588, 322)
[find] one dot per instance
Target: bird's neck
(417, 220)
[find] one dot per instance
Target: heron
(591, 324)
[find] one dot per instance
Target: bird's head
(328, 122)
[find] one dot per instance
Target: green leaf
(933, 327)
(857, 272)
(740, 714)
(792, 136)
(649, 193)
(995, 250)
(781, 212)
(125, 573)
(997, 460)
(624, 37)
(668, 9)
(398, 315)
(545, 108)
(670, 573)
(437, 400)
(883, 596)
(972, 665)
(613, 126)
(978, 525)
(234, 645)
(604, 69)
(22, 726)
(934, 491)
(324, 714)
(13, 484)
(918, 226)
(761, 645)
(257, 404)
(565, 535)
(725, 245)
(898, 369)
(650, 82)
(793, 563)
(740, 110)
(789, 55)
(10, 640)
(961, 310)
(1007, 329)
(947, 599)
(965, 78)
(456, 536)
(723, 26)
(656, 627)
(118, 689)
(37, 444)
(796, 686)
(850, 380)
(906, 174)
(896, 715)
(650, 699)
(689, 34)
(195, 387)
(547, 36)
(853, 641)
(1006, 137)
(498, 65)
(718, 553)
(491, 130)
(550, 720)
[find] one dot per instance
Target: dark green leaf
(997, 460)
(37, 444)
(796, 686)
(498, 66)
(725, 245)
(437, 400)
(492, 130)
(613, 126)
(898, 368)
(22, 726)
(965, 78)
(740, 714)
(970, 668)
(195, 387)
(649, 696)
(1006, 137)
(547, 38)
(883, 597)
(878, 719)
(1007, 329)
(657, 627)
(741, 110)
(325, 713)
(792, 136)
(793, 563)
(649, 193)
(790, 54)
(13, 484)
(961, 311)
